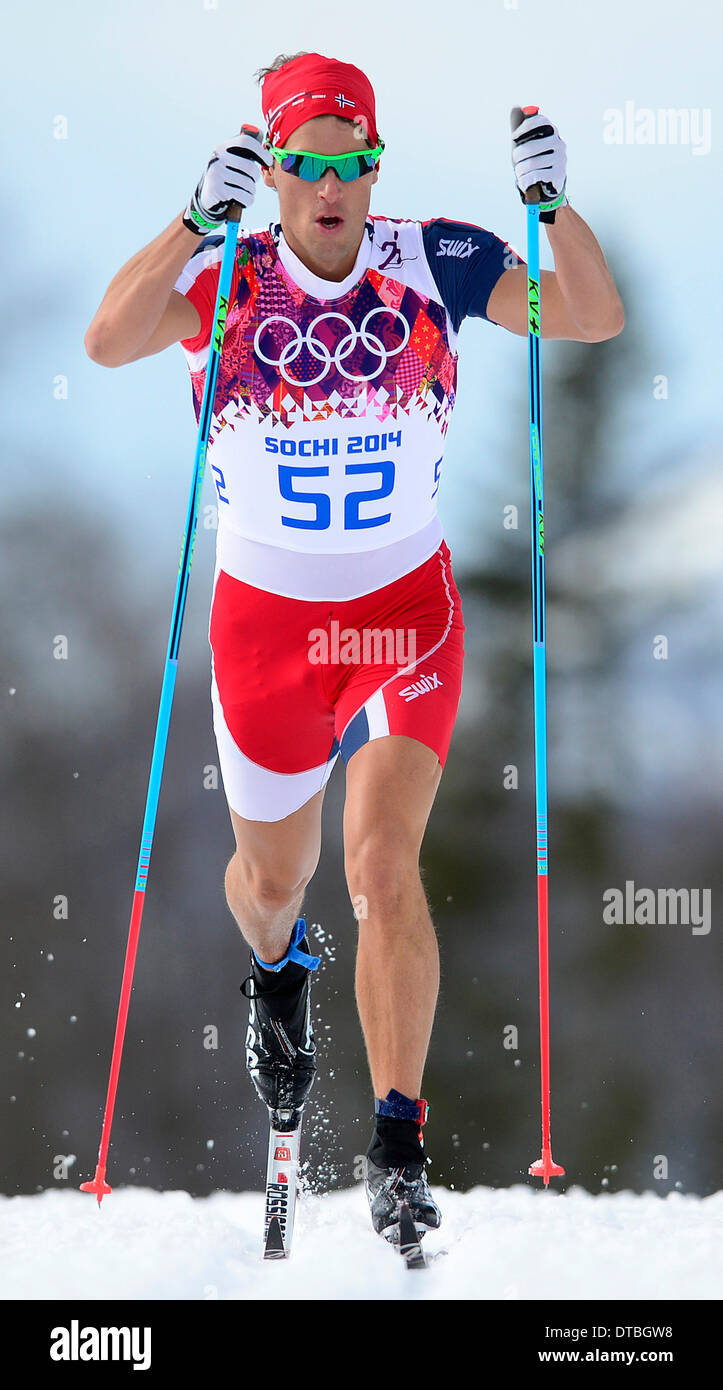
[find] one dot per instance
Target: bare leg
(391, 785)
(267, 876)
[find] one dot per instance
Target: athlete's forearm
(584, 279)
(136, 298)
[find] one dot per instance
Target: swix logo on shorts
(461, 249)
(420, 687)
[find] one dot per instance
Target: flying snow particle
(31, 1032)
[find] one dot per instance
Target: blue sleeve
(466, 262)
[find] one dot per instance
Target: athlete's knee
(268, 888)
(383, 871)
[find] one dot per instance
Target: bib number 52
(321, 502)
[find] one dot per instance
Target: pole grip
(518, 114)
(235, 209)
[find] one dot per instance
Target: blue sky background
(149, 88)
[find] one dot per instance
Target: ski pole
(99, 1185)
(544, 1167)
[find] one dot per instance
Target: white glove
(539, 155)
(231, 176)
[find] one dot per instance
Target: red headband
(316, 86)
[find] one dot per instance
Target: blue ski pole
(544, 1167)
(99, 1185)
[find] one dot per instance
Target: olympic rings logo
(325, 355)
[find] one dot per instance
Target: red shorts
(295, 682)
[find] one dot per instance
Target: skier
(334, 393)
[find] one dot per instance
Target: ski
(281, 1191)
(410, 1245)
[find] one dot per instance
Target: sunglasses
(306, 165)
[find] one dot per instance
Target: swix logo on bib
(456, 248)
(330, 414)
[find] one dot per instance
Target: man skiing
(335, 389)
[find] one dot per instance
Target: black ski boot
(280, 1047)
(394, 1168)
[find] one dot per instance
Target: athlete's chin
(334, 247)
(331, 231)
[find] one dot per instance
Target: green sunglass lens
(312, 167)
(355, 168)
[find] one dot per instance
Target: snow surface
(510, 1243)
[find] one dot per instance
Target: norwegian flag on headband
(317, 86)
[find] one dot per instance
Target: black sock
(395, 1143)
